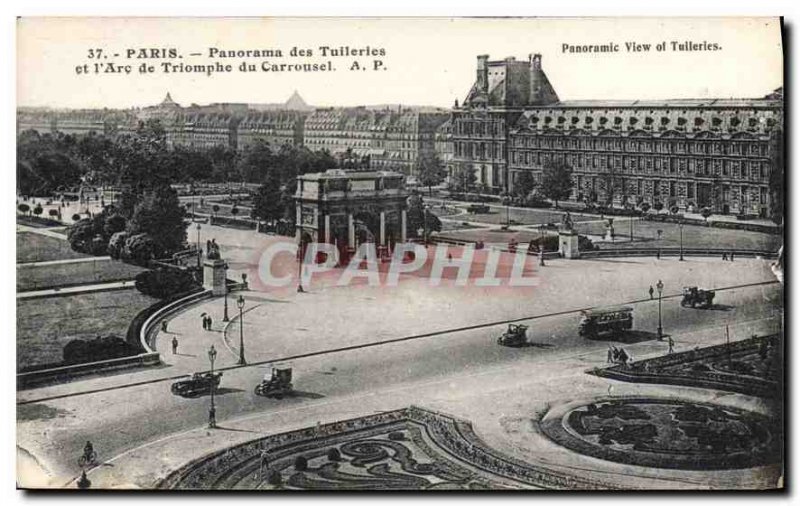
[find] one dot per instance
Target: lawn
(208, 208)
(81, 273)
(497, 216)
(455, 225)
(492, 236)
(645, 235)
(32, 247)
(44, 326)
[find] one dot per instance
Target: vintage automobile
(196, 384)
(609, 320)
(277, 385)
(515, 335)
(693, 296)
(478, 209)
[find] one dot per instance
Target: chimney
(483, 73)
(536, 78)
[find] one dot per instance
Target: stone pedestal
(214, 276)
(568, 244)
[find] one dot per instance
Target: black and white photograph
(282, 254)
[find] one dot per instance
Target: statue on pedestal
(566, 222)
(212, 250)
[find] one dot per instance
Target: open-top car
(515, 335)
(196, 384)
(278, 384)
(694, 297)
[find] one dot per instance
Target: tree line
(48, 163)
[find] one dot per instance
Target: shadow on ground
(629, 337)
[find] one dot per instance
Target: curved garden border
(453, 437)
(748, 385)
(556, 426)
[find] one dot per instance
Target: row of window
(744, 169)
(479, 150)
(696, 146)
(669, 189)
(486, 128)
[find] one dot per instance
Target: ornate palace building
(716, 153)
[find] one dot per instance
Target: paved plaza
(356, 352)
(388, 361)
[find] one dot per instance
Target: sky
(427, 61)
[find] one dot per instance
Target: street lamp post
(425, 223)
(199, 251)
(680, 227)
(212, 411)
(541, 245)
(631, 235)
(225, 286)
(300, 257)
(660, 330)
(240, 305)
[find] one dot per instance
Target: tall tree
(268, 201)
(525, 184)
(255, 162)
(160, 216)
(464, 179)
(556, 180)
(429, 170)
(777, 178)
(419, 217)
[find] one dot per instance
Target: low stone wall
(68, 372)
(147, 329)
(140, 333)
(701, 252)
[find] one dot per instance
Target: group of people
(207, 322)
(618, 356)
(726, 257)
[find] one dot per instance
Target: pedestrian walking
(650, 291)
(205, 322)
(174, 345)
(163, 325)
(731, 256)
(725, 256)
(671, 344)
(209, 322)
(610, 358)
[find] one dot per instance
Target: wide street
(449, 369)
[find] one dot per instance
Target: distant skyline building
(373, 138)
